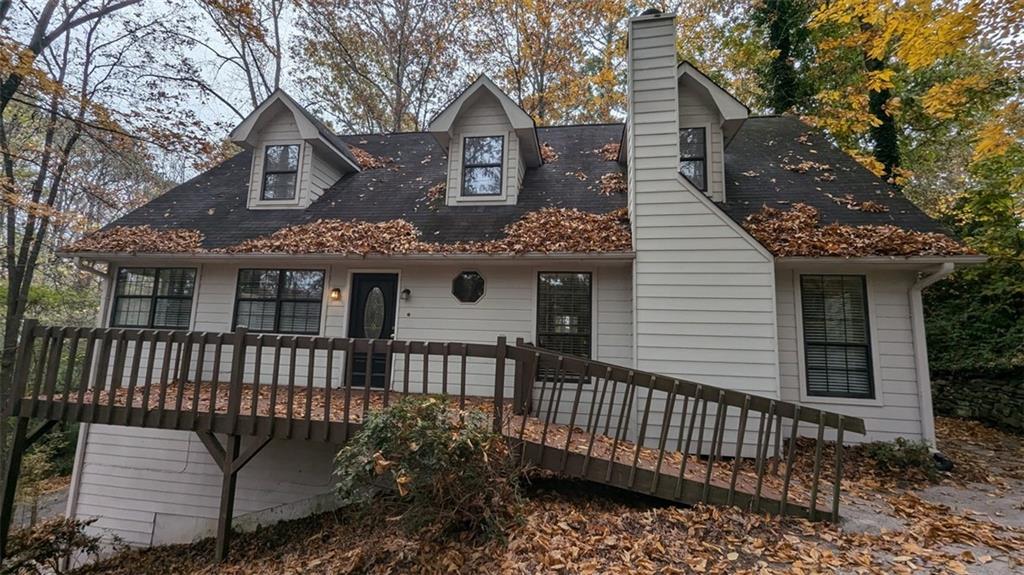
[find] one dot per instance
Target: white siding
(154, 486)
(698, 110)
(896, 412)
(315, 175)
(483, 116)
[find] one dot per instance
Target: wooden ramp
(666, 437)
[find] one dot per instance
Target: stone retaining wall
(996, 402)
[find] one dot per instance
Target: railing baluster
(444, 369)
(737, 460)
(350, 353)
(716, 436)
(165, 374)
(556, 397)
(642, 435)
(257, 372)
(147, 380)
(500, 354)
(120, 350)
(42, 366)
(388, 366)
(310, 372)
(540, 409)
(186, 363)
(572, 421)
(69, 372)
(611, 404)
(837, 480)
(368, 378)
(275, 384)
(778, 444)
(197, 384)
(462, 378)
(666, 423)
(84, 376)
(101, 375)
(698, 398)
(790, 457)
(53, 369)
(26, 350)
(292, 356)
(767, 419)
(133, 380)
(623, 424)
(405, 368)
(426, 367)
(328, 377)
(819, 443)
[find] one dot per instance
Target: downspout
(83, 430)
(924, 381)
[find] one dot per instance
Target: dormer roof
(732, 111)
(521, 122)
(311, 128)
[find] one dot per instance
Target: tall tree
(381, 66)
(788, 40)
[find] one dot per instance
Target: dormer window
(482, 165)
(693, 157)
(280, 172)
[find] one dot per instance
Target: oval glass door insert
(373, 313)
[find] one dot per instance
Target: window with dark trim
(482, 165)
(280, 172)
(153, 297)
(693, 157)
(565, 312)
(279, 301)
(837, 344)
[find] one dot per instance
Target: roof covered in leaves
(778, 161)
(772, 162)
(214, 203)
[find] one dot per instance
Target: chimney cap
(652, 11)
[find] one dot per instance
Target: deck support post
(499, 382)
(227, 496)
(21, 441)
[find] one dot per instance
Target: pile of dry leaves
(140, 239)
(609, 152)
(546, 230)
(613, 183)
(368, 161)
(798, 232)
(547, 153)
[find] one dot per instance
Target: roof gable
(311, 128)
(733, 111)
(521, 122)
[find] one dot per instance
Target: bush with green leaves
(43, 547)
(903, 456)
(442, 470)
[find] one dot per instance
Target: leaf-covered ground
(970, 522)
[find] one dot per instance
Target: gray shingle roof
(214, 202)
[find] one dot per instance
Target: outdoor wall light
(406, 294)
(336, 294)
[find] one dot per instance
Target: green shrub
(902, 456)
(42, 548)
(443, 470)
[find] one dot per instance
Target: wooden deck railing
(669, 437)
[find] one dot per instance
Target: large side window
(153, 297)
(564, 312)
(280, 172)
(481, 165)
(693, 157)
(837, 344)
(279, 301)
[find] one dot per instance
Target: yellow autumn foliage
(942, 101)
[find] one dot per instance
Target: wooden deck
(670, 438)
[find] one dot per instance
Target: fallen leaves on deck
(140, 239)
(798, 232)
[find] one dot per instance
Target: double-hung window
(481, 165)
(693, 157)
(564, 312)
(837, 344)
(280, 172)
(280, 301)
(153, 297)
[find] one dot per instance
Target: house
(694, 240)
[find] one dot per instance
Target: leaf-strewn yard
(970, 521)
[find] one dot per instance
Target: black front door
(372, 316)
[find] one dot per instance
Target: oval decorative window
(373, 313)
(468, 287)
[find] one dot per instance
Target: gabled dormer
(295, 157)
(490, 142)
(709, 117)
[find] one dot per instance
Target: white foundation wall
(896, 410)
(150, 486)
